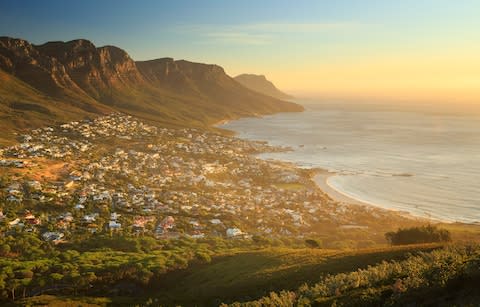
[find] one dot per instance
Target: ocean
(423, 163)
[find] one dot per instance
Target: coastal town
(115, 174)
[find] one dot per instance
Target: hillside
(251, 274)
(230, 275)
(61, 81)
(442, 277)
(260, 84)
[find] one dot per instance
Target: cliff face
(260, 84)
(102, 79)
(98, 71)
(22, 60)
(210, 85)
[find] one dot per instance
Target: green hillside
(234, 273)
(442, 277)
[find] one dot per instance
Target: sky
(409, 50)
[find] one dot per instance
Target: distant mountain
(260, 84)
(60, 81)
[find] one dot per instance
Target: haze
(392, 50)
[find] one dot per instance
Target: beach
(321, 179)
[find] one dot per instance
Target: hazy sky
(408, 49)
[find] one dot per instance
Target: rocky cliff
(88, 80)
(260, 84)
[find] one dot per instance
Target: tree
(312, 243)
(416, 235)
(4, 249)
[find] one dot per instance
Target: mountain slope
(260, 84)
(23, 107)
(83, 79)
(210, 86)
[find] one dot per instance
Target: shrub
(312, 243)
(415, 235)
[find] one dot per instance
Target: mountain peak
(261, 84)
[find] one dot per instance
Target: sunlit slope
(77, 75)
(249, 275)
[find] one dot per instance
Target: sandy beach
(321, 180)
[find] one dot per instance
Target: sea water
(426, 164)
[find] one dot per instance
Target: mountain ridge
(260, 84)
(85, 80)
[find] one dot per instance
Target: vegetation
(183, 271)
(312, 243)
(433, 278)
(103, 264)
(416, 235)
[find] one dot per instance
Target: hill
(260, 84)
(442, 277)
(232, 274)
(62, 81)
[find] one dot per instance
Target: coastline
(321, 177)
(321, 180)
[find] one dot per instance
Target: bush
(416, 235)
(312, 243)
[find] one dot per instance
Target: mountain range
(260, 84)
(60, 81)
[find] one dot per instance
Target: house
(67, 217)
(215, 221)
(114, 225)
(168, 222)
(197, 235)
(89, 218)
(15, 222)
(52, 236)
(114, 216)
(31, 219)
(233, 232)
(79, 207)
(35, 185)
(13, 199)
(92, 228)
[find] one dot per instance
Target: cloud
(258, 33)
(237, 37)
(298, 27)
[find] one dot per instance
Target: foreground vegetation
(182, 275)
(419, 234)
(441, 277)
(120, 270)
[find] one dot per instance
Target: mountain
(60, 81)
(260, 84)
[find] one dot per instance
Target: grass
(250, 275)
(61, 301)
(462, 232)
(290, 186)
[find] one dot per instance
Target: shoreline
(321, 180)
(321, 176)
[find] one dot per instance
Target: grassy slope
(247, 275)
(252, 274)
(21, 106)
(147, 102)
